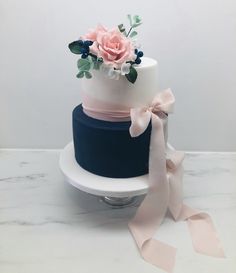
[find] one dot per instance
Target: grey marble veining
(46, 225)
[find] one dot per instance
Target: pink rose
(113, 47)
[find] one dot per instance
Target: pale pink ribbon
(165, 191)
(165, 186)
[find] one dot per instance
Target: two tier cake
(115, 78)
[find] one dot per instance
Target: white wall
(194, 41)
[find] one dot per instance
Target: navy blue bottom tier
(106, 148)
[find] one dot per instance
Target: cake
(102, 143)
(120, 131)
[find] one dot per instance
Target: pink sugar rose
(113, 47)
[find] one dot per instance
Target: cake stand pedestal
(116, 192)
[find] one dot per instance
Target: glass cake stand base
(115, 192)
(119, 202)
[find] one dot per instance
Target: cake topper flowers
(113, 51)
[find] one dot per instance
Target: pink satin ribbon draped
(165, 185)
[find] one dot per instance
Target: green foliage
(121, 27)
(88, 75)
(132, 76)
(75, 47)
(133, 33)
(134, 21)
(137, 21)
(130, 19)
(80, 74)
(84, 64)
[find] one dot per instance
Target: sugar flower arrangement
(113, 51)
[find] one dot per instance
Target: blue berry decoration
(80, 47)
(88, 43)
(80, 42)
(85, 48)
(139, 55)
(84, 55)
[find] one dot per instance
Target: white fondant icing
(123, 92)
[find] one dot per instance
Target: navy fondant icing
(106, 148)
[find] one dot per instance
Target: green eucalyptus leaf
(137, 21)
(133, 33)
(80, 74)
(121, 28)
(130, 19)
(132, 76)
(88, 75)
(75, 47)
(91, 60)
(84, 64)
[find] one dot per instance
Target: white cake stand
(117, 192)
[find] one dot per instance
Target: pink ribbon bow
(165, 192)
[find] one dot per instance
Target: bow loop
(163, 102)
(140, 117)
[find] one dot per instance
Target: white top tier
(122, 92)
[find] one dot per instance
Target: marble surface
(46, 225)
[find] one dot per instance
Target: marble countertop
(46, 225)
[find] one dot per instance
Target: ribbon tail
(159, 254)
(152, 210)
(143, 227)
(204, 236)
(203, 233)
